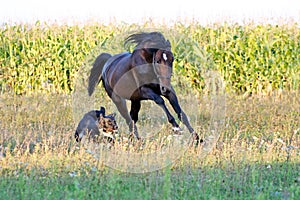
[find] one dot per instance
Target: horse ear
(147, 54)
(158, 54)
(168, 45)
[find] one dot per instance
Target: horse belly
(125, 87)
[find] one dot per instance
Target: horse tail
(96, 71)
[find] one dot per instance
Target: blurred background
(137, 11)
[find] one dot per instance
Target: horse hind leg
(122, 108)
(134, 111)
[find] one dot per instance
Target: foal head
(155, 50)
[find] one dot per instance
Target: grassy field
(256, 155)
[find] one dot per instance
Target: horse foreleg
(181, 115)
(149, 94)
(160, 101)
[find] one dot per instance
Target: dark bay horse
(144, 74)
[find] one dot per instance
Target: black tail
(96, 71)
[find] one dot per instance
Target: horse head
(155, 50)
(163, 68)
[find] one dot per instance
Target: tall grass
(251, 58)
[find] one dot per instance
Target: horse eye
(158, 61)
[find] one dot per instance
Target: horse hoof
(133, 136)
(196, 139)
(177, 130)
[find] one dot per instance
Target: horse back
(112, 62)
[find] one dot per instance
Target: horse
(144, 74)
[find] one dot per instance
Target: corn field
(252, 58)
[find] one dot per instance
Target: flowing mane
(154, 40)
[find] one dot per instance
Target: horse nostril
(163, 89)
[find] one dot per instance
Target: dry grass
(39, 129)
(259, 145)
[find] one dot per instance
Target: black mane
(152, 40)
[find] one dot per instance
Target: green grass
(242, 182)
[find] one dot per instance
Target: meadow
(256, 155)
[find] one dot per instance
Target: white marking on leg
(176, 129)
